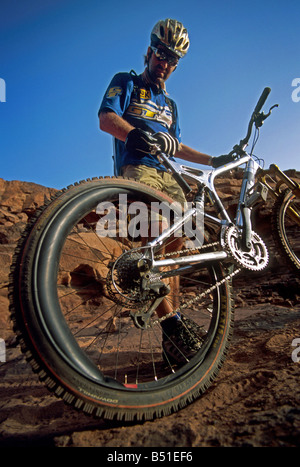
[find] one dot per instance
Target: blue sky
(58, 56)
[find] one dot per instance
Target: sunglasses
(162, 56)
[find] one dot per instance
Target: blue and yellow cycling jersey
(143, 106)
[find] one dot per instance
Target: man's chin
(159, 78)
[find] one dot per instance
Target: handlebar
(257, 118)
(262, 100)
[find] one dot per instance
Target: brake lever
(261, 117)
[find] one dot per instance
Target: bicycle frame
(205, 181)
(250, 193)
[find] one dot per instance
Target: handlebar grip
(262, 99)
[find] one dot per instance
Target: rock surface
(255, 401)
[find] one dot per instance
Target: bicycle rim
(288, 226)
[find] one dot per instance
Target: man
(139, 114)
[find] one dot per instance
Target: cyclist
(137, 111)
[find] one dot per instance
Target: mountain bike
(89, 276)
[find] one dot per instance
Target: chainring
(256, 259)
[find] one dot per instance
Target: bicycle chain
(197, 298)
(187, 250)
(134, 303)
(203, 294)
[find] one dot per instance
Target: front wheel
(76, 296)
(286, 223)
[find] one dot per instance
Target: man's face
(160, 69)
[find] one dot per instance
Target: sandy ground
(255, 401)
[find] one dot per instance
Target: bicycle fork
(248, 198)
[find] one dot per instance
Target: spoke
(93, 230)
(76, 290)
(164, 353)
(80, 304)
(81, 258)
(152, 356)
(118, 351)
(91, 322)
(106, 333)
(139, 355)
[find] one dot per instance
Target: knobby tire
(70, 325)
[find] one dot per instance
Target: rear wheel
(76, 300)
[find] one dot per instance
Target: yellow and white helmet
(172, 35)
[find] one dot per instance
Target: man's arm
(115, 125)
(188, 154)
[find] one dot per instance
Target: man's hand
(168, 144)
(221, 160)
(139, 143)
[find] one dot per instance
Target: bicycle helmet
(172, 35)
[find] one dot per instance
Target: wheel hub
(131, 283)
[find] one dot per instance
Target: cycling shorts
(158, 179)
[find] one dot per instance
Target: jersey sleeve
(175, 127)
(117, 95)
